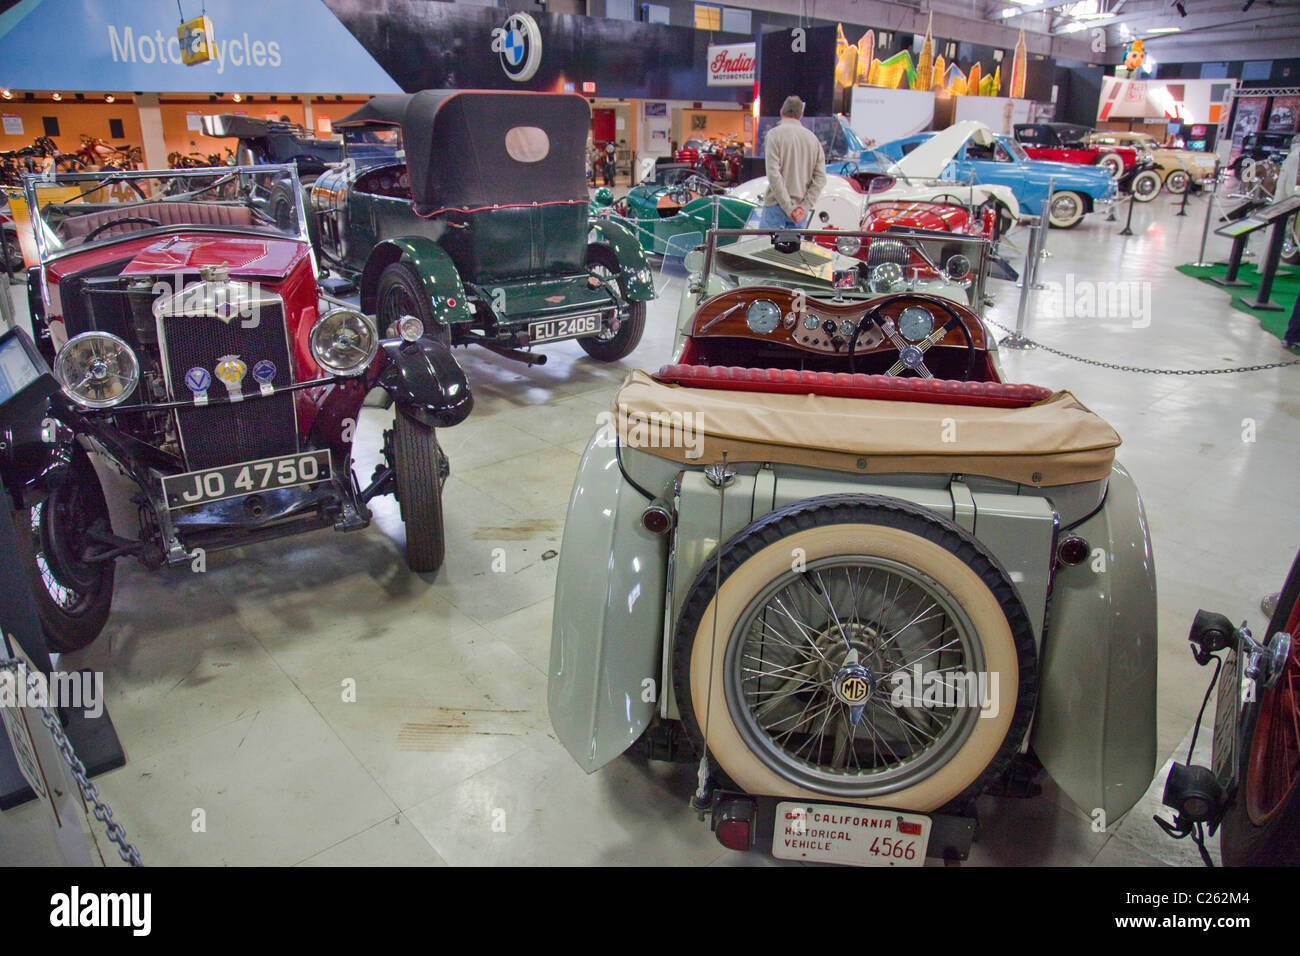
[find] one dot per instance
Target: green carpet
(1286, 286)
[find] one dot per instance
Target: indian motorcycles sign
(731, 65)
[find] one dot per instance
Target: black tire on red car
(1262, 826)
(612, 346)
(1112, 163)
(419, 492)
(73, 595)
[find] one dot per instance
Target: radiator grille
(225, 434)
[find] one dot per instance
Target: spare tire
(807, 669)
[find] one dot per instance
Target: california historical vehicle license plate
(858, 836)
(250, 477)
(549, 330)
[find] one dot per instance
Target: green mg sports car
(478, 224)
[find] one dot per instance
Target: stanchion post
(1209, 212)
(1128, 220)
(1018, 340)
(1187, 191)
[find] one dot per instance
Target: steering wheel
(682, 194)
(117, 222)
(912, 355)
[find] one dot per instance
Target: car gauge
(915, 323)
(763, 316)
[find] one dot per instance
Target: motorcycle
(1250, 794)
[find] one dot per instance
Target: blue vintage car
(970, 152)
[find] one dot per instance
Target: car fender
(634, 272)
(607, 630)
(1095, 729)
(434, 267)
(426, 382)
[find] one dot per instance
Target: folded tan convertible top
(1055, 442)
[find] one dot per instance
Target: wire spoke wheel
(831, 666)
(890, 661)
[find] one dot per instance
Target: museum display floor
(227, 687)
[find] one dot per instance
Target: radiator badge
(197, 381)
(264, 375)
(231, 370)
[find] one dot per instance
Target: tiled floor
(227, 687)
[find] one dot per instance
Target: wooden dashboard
(820, 325)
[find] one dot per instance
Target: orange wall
(92, 119)
(717, 123)
(74, 118)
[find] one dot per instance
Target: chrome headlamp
(97, 369)
(344, 342)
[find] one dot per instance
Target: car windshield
(79, 210)
(1014, 148)
(844, 265)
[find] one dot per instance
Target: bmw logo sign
(519, 45)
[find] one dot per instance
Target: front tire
(1066, 210)
(73, 596)
(1291, 242)
(1262, 826)
(416, 460)
(1177, 181)
(1146, 185)
(610, 346)
(757, 663)
(400, 292)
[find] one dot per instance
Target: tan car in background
(1174, 165)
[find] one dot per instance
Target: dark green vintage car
(674, 202)
(479, 225)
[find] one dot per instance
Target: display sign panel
(732, 65)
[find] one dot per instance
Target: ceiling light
(109, 97)
(237, 98)
(7, 94)
(1096, 16)
(56, 96)
(1164, 30)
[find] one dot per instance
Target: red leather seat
(854, 385)
(167, 213)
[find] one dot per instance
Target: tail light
(658, 517)
(733, 823)
(1072, 550)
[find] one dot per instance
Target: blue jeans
(773, 217)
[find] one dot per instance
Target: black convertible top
(473, 148)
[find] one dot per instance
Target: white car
(914, 178)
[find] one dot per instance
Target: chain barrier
(100, 808)
(1030, 343)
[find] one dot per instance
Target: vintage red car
(1065, 143)
(198, 360)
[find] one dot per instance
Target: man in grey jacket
(796, 171)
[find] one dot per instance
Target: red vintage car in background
(1065, 143)
(198, 360)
